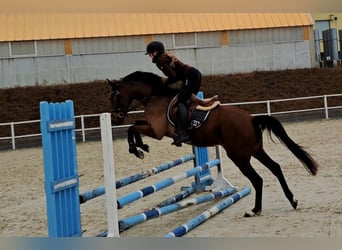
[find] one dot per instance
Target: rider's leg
(182, 133)
(189, 87)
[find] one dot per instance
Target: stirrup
(182, 138)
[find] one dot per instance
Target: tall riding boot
(182, 134)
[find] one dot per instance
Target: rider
(175, 71)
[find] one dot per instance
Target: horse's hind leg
(274, 167)
(257, 182)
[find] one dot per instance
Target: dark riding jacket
(175, 70)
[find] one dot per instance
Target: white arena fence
(83, 133)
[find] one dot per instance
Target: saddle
(198, 111)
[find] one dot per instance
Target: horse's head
(138, 86)
(120, 101)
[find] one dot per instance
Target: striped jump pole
(124, 200)
(185, 192)
(196, 221)
(156, 212)
(204, 180)
(89, 195)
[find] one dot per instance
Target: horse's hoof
(132, 150)
(140, 154)
(146, 148)
(251, 214)
(294, 203)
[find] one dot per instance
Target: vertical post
(13, 135)
(317, 47)
(57, 124)
(201, 157)
(109, 175)
(220, 181)
(326, 107)
(268, 103)
(82, 128)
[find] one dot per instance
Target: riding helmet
(155, 46)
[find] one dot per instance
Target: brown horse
(239, 133)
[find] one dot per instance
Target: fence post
(326, 108)
(82, 128)
(13, 135)
(268, 103)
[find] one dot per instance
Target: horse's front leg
(140, 144)
(134, 137)
(132, 147)
(138, 140)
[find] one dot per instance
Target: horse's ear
(113, 83)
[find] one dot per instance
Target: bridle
(120, 113)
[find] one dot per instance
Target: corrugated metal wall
(108, 45)
(266, 35)
(215, 60)
(31, 48)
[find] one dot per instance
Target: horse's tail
(270, 123)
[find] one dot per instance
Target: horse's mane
(155, 81)
(148, 77)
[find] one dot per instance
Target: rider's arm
(163, 65)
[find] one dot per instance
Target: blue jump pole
(124, 200)
(86, 196)
(196, 221)
(156, 212)
(184, 193)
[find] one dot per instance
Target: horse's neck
(155, 103)
(145, 93)
(141, 92)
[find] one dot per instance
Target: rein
(119, 111)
